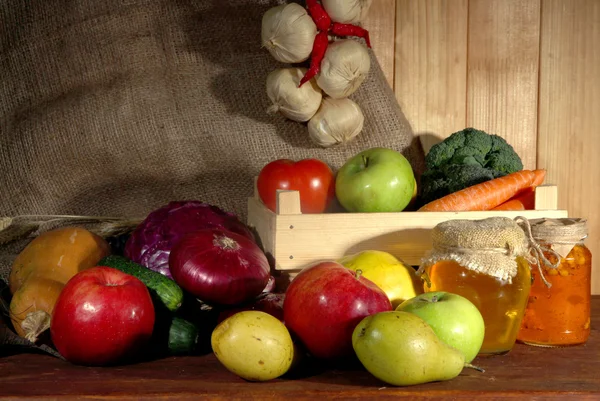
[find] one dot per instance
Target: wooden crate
(293, 240)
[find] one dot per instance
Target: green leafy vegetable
(466, 158)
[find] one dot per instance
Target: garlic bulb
(296, 103)
(347, 11)
(288, 32)
(337, 121)
(344, 68)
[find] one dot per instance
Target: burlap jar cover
(555, 237)
(489, 246)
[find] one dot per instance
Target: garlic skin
(347, 11)
(288, 33)
(293, 102)
(344, 68)
(337, 121)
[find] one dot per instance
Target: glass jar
(485, 262)
(558, 311)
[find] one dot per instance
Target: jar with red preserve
(558, 309)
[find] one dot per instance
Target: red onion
(271, 303)
(219, 266)
(270, 285)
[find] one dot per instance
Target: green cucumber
(161, 287)
(173, 335)
(183, 336)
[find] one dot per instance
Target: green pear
(401, 349)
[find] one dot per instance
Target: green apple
(375, 180)
(453, 318)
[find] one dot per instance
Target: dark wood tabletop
(524, 373)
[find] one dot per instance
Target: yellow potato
(254, 345)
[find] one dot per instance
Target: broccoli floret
(466, 158)
(503, 157)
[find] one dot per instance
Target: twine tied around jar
(548, 231)
(507, 250)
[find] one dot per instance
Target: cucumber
(173, 335)
(161, 287)
(183, 336)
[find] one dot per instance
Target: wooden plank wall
(527, 70)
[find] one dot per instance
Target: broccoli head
(466, 158)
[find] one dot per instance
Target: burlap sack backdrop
(114, 108)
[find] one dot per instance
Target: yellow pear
(398, 281)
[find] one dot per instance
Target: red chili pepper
(318, 52)
(350, 30)
(319, 15)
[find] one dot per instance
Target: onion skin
(219, 267)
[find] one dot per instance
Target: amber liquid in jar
(560, 315)
(501, 303)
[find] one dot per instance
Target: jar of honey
(486, 262)
(558, 311)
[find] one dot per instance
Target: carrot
(511, 204)
(524, 201)
(540, 175)
(484, 196)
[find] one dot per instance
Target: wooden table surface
(524, 373)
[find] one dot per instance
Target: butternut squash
(41, 270)
(58, 255)
(32, 305)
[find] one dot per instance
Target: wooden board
(503, 60)
(569, 115)
(294, 240)
(381, 23)
(524, 373)
(431, 66)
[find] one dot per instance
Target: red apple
(325, 302)
(101, 317)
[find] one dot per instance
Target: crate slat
(294, 240)
(546, 197)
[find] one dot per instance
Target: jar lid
(489, 246)
(560, 234)
(563, 229)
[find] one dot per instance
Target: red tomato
(311, 177)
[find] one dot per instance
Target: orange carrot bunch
(514, 191)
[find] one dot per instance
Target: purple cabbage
(152, 240)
